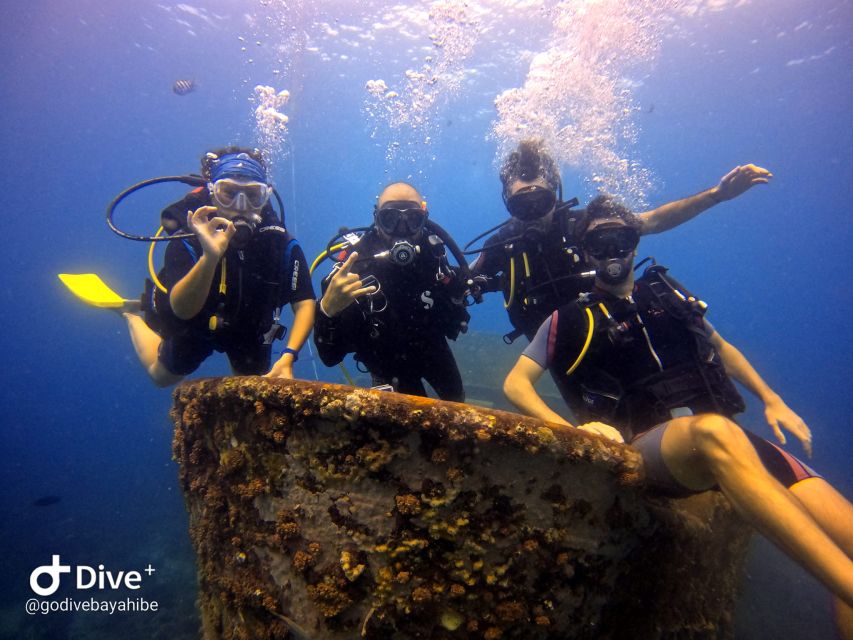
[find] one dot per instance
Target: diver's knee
(162, 377)
(163, 382)
(715, 435)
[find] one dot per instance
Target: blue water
(87, 109)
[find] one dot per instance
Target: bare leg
(701, 450)
(834, 514)
(147, 343)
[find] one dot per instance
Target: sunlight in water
(584, 61)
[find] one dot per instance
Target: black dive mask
(401, 218)
(611, 249)
(531, 203)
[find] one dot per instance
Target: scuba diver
(534, 257)
(393, 299)
(636, 360)
(230, 266)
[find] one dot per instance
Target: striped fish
(182, 87)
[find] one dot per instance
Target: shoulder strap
(570, 220)
(674, 297)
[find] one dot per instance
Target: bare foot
(130, 307)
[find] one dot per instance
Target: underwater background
(651, 100)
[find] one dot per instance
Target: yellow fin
(92, 290)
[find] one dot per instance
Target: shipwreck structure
(324, 511)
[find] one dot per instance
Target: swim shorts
(182, 354)
(786, 468)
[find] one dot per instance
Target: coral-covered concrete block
(324, 511)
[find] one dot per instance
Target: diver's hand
(601, 429)
(779, 416)
(739, 180)
(479, 285)
(213, 232)
(283, 368)
(344, 288)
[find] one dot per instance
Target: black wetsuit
(400, 333)
(267, 274)
(649, 361)
(553, 261)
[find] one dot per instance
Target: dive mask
(531, 203)
(611, 241)
(611, 249)
(240, 195)
(401, 219)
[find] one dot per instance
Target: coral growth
(365, 514)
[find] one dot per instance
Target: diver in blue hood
(229, 269)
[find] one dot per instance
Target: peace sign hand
(344, 288)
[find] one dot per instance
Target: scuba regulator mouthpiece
(245, 228)
(614, 270)
(610, 247)
(402, 253)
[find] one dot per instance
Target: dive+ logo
(54, 570)
(85, 577)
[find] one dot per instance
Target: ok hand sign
(214, 232)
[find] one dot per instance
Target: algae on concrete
(334, 512)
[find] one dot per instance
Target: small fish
(46, 501)
(182, 87)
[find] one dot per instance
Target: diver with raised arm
(534, 257)
(636, 360)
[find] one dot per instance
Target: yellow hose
(347, 375)
(317, 261)
(526, 272)
(586, 344)
(151, 271)
(319, 258)
(508, 301)
(222, 288)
